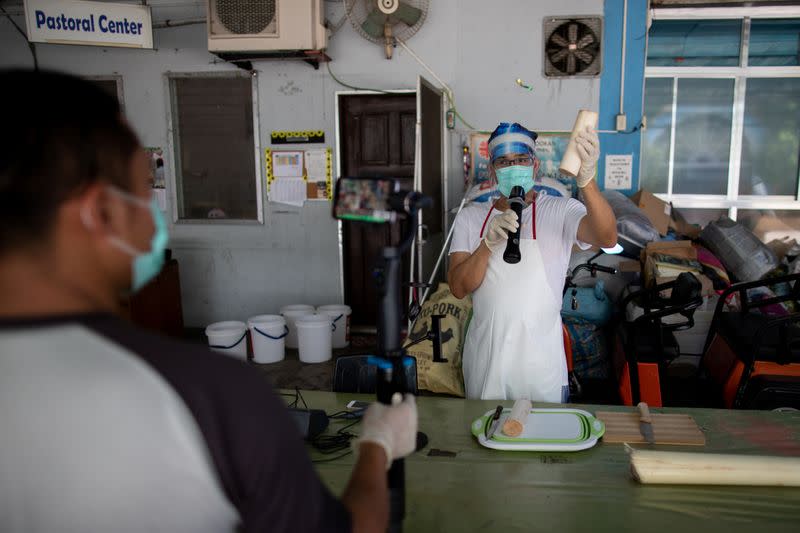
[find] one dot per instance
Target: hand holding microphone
(499, 228)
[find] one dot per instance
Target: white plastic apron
(514, 346)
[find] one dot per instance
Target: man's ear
(93, 208)
(492, 175)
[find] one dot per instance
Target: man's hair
(59, 134)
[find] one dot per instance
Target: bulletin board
(297, 176)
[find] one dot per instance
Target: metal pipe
(622, 70)
(448, 91)
(439, 260)
(175, 23)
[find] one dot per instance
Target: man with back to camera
(514, 345)
(109, 428)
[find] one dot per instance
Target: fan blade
(408, 15)
(559, 40)
(558, 56)
(586, 57)
(373, 25)
(571, 64)
(586, 40)
(572, 32)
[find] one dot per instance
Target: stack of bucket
(340, 320)
(313, 332)
(229, 337)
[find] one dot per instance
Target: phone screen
(366, 200)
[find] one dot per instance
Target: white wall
(479, 48)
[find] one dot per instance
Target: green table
(591, 490)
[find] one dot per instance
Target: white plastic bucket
(340, 318)
(315, 338)
(291, 313)
(268, 334)
(229, 337)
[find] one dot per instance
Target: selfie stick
(391, 360)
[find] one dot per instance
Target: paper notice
(291, 191)
(619, 172)
(287, 164)
(316, 164)
(161, 198)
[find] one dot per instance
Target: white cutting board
(558, 429)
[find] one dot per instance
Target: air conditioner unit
(266, 25)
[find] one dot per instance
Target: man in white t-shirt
(514, 346)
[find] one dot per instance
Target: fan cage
(358, 10)
(560, 26)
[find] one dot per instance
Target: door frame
(417, 253)
(338, 147)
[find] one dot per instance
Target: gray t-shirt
(109, 428)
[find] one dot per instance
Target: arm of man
(599, 226)
(388, 433)
(467, 270)
(366, 496)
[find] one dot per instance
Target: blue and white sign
(89, 23)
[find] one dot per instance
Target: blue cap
(511, 139)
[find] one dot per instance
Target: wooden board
(675, 429)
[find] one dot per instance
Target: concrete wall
(235, 271)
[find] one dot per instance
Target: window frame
(173, 141)
(732, 200)
(117, 79)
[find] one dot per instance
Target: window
(694, 43)
(216, 159)
(722, 101)
(112, 85)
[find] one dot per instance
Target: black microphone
(516, 201)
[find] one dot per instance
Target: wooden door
(377, 140)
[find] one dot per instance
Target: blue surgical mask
(510, 177)
(146, 265)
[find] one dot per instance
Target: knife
(646, 423)
(494, 422)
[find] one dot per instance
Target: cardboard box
(658, 211)
(681, 249)
(682, 227)
(630, 267)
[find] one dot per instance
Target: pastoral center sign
(89, 23)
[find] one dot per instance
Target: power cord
(354, 87)
(297, 398)
(339, 441)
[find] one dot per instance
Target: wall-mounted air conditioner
(266, 25)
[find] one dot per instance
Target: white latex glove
(588, 145)
(392, 427)
(498, 228)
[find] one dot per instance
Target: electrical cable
(337, 442)
(30, 44)
(297, 391)
(355, 88)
